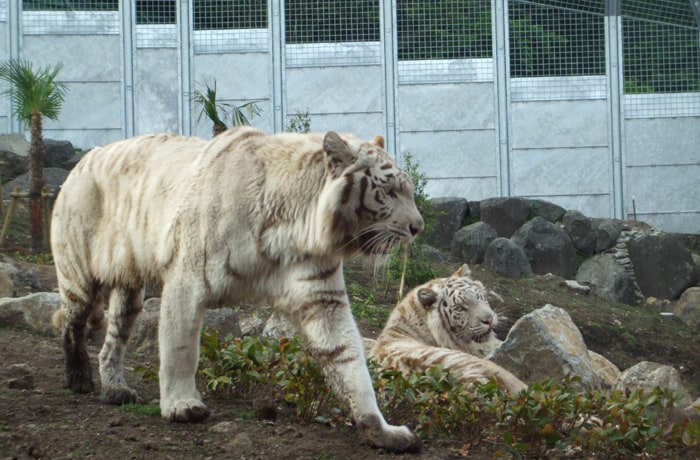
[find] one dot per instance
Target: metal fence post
(389, 58)
(501, 74)
(614, 71)
(184, 20)
(128, 21)
(14, 20)
(276, 8)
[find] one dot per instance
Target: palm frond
(242, 114)
(206, 98)
(33, 91)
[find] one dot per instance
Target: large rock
(547, 247)
(32, 312)
(15, 143)
(581, 232)
(469, 243)
(12, 165)
(506, 258)
(607, 231)
(605, 369)
(547, 210)
(607, 279)
(663, 266)
(58, 153)
(144, 337)
(506, 215)
(648, 375)
(7, 274)
(545, 344)
(687, 309)
(54, 178)
(450, 213)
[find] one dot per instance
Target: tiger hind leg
(124, 306)
(77, 305)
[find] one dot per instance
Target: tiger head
(368, 201)
(457, 310)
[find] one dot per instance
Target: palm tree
(206, 98)
(34, 94)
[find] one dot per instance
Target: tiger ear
(338, 154)
(462, 271)
(378, 141)
(426, 296)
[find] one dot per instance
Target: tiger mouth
(376, 243)
(478, 338)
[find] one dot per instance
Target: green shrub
(550, 418)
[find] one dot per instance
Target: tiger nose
(416, 226)
(488, 320)
(415, 229)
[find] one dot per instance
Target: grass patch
(149, 409)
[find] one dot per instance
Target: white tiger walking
(246, 217)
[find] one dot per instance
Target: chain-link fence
(518, 95)
(228, 25)
(557, 49)
(70, 17)
(661, 58)
(444, 41)
(331, 33)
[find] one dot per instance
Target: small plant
(40, 259)
(218, 112)
(148, 374)
(299, 123)
(547, 419)
(363, 302)
(255, 366)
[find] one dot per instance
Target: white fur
(246, 217)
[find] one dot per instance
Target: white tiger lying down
(244, 218)
(448, 322)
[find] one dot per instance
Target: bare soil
(42, 420)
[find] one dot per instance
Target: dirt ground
(42, 420)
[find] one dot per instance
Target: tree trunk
(37, 151)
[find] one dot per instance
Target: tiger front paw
(185, 411)
(393, 438)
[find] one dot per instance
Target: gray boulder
(687, 309)
(58, 153)
(450, 213)
(544, 344)
(548, 211)
(506, 258)
(54, 179)
(31, 312)
(7, 274)
(580, 230)
(15, 143)
(144, 337)
(607, 231)
(607, 279)
(548, 248)
(279, 326)
(12, 165)
(648, 375)
(663, 266)
(506, 215)
(469, 243)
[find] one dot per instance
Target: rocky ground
(39, 419)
